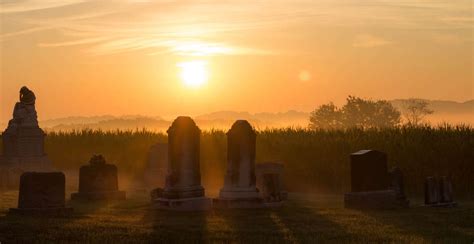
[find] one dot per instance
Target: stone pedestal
(183, 190)
(240, 189)
(42, 193)
(157, 166)
(270, 183)
(439, 192)
(98, 181)
(373, 187)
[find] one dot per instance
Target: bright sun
(193, 73)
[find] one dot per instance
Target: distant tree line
(367, 113)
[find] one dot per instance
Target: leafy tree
(357, 112)
(327, 116)
(415, 110)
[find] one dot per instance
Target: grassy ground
(304, 219)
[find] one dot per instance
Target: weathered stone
(98, 181)
(397, 185)
(446, 190)
(270, 182)
(439, 192)
(369, 171)
(431, 191)
(183, 190)
(240, 189)
(42, 193)
(157, 166)
(23, 142)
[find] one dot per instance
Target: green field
(304, 219)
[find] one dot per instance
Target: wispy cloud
(368, 41)
(215, 27)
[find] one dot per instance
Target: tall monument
(183, 190)
(23, 142)
(240, 189)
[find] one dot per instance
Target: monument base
(107, 195)
(238, 203)
(442, 205)
(386, 199)
(11, 169)
(183, 204)
(66, 211)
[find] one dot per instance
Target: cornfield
(315, 160)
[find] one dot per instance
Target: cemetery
(252, 193)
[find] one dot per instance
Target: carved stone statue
(24, 113)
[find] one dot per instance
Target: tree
(357, 112)
(327, 116)
(415, 110)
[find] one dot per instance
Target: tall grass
(314, 160)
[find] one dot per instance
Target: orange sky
(123, 56)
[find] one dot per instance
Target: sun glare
(193, 73)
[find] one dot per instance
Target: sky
(189, 57)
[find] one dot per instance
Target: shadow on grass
(432, 224)
(171, 226)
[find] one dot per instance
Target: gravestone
(98, 181)
(240, 189)
(439, 192)
(183, 190)
(431, 191)
(371, 184)
(23, 143)
(397, 185)
(369, 171)
(157, 166)
(270, 183)
(42, 193)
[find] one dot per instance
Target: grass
(304, 219)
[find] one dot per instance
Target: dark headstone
(431, 191)
(183, 189)
(42, 192)
(439, 192)
(369, 171)
(446, 190)
(98, 181)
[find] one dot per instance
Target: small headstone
(396, 176)
(23, 142)
(239, 189)
(431, 191)
(183, 190)
(42, 193)
(446, 190)
(439, 192)
(98, 181)
(270, 182)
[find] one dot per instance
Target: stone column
(183, 190)
(240, 176)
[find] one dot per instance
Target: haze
(192, 57)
